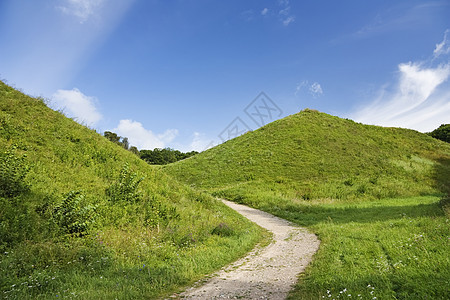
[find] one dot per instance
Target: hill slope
(82, 217)
(313, 155)
(371, 194)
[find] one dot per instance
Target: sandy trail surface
(265, 273)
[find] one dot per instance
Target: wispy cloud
(144, 138)
(77, 105)
(443, 47)
(200, 142)
(285, 12)
(314, 89)
(419, 99)
(82, 9)
(281, 11)
(398, 17)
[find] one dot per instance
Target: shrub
(13, 170)
(126, 186)
(74, 216)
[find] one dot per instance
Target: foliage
(442, 133)
(13, 169)
(164, 156)
(74, 215)
(121, 141)
(125, 188)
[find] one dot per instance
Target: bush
(13, 170)
(74, 216)
(126, 186)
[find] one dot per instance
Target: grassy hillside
(80, 217)
(312, 155)
(373, 195)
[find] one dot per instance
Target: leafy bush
(126, 186)
(74, 215)
(13, 170)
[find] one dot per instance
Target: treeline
(442, 133)
(164, 156)
(156, 156)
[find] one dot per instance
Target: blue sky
(189, 74)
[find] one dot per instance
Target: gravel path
(265, 273)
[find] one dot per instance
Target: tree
(113, 137)
(134, 150)
(164, 156)
(442, 133)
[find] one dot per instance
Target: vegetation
(442, 133)
(156, 156)
(164, 156)
(371, 194)
(81, 217)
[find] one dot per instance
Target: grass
(80, 217)
(390, 249)
(371, 194)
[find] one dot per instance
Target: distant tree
(121, 141)
(125, 143)
(113, 137)
(164, 156)
(442, 133)
(134, 150)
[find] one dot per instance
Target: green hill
(375, 197)
(80, 217)
(312, 155)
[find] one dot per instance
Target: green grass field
(80, 217)
(373, 195)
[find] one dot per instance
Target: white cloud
(82, 9)
(143, 138)
(419, 99)
(77, 105)
(264, 11)
(285, 12)
(315, 90)
(288, 20)
(201, 143)
(443, 47)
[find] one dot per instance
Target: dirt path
(267, 273)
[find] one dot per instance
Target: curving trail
(267, 273)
